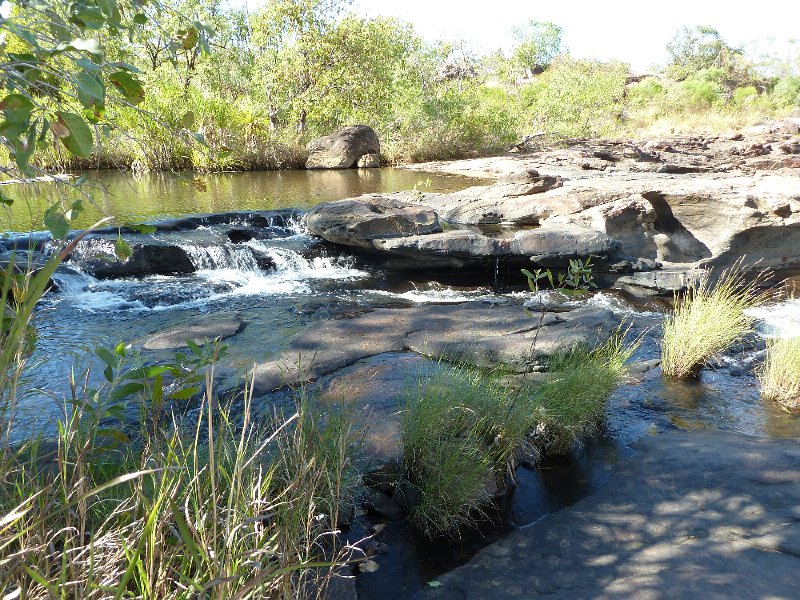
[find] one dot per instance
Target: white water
(781, 320)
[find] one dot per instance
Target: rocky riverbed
(359, 298)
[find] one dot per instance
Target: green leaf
(143, 228)
(79, 137)
(128, 85)
(125, 66)
(106, 356)
(55, 222)
(109, 7)
(91, 46)
(90, 17)
(140, 19)
(121, 249)
(5, 199)
(126, 390)
(91, 92)
(201, 139)
(17, 108)
(185, 393)
(187, 121)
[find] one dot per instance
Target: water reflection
(131, 198)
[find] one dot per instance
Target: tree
(60, 81)
(694, 49)
(537, 44)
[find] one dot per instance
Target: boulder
(357, 221)
(343, 148)
(145, 259)
(555, 245)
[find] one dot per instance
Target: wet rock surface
(692, 515)
(477, 333)
(199, 332)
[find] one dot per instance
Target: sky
(635, 32)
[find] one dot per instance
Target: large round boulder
(343, 148)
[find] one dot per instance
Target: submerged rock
(199, 332)
(343, 148)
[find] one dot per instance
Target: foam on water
(781, 320)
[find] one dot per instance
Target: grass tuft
(462, 428)
(708, 319)
(780, 374)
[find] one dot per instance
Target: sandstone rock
(343, 148)
(554, 245)
(691, 515)
(199, 332)
(357, 221)
(473, 332)
(146, 259)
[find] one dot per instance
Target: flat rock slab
(474, 332)
(200, 332)
(692, 515)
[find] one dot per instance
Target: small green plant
(779, 376)
(577, 280)
(709, 318)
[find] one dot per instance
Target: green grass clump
(780, 374)
(706, 320)
(570, 405)
(462, 427)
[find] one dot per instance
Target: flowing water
(309, 281)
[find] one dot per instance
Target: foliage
(576, 98)
(709, 318)
(221, 506)
(702, 47)
(787, 90)
(461, 427)
(577, 280)
(779, 376)
(537, 44)
(570, 404)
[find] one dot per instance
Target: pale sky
(635, 32)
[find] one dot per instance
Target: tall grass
(461, 428)
(779, 376)
(219, 506)
(709, 318)
(227, 509)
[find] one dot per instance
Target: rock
(200, 332)
(496, 335)
(357, 221)
(407, 496)
(381, 505)
(384, 479)
(554, 245)
(369, 161)
(343, 148)
(692, 515)
(368, 566)
(145, 259)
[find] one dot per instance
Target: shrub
(707, 319)
(780, 374)
(787, 91)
